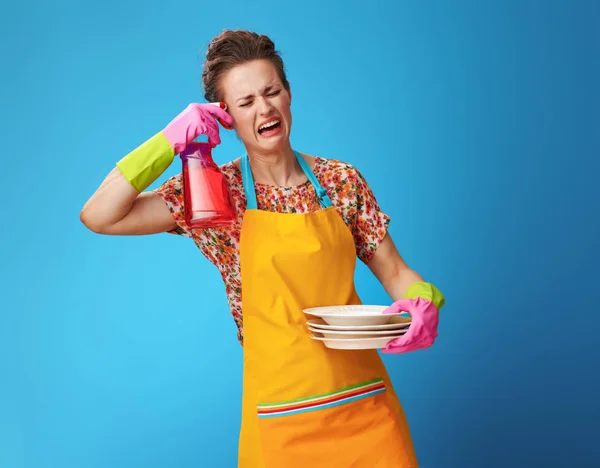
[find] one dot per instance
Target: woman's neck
(278, 168)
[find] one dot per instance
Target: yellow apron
(305, 405)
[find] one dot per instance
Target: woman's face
(259, 105)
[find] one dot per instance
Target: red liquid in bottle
(207, 201)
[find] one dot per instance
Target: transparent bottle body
(207, 200)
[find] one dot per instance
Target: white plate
(351, 315)
(396, 322)
(357, 334)
(357, 343)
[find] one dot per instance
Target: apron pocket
(351, 427)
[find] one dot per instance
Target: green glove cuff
(147, 162)
(427, 291)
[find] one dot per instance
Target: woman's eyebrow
(265, 90)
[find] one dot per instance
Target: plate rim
(378, 334)
(349, 339)
(385, 326)
(312, 310)
(358, 342)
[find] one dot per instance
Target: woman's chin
(274, 143)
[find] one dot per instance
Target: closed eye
(271, 94)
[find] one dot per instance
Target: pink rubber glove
(196, 120)
(142, 166)
(423, 302)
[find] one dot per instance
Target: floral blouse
(346, 187)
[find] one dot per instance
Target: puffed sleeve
(171, 191)
(370, 222)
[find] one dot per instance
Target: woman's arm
(116, 208)
(391, 270)
(119, 206)
(411, 294)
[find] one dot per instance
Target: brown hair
(231, 48)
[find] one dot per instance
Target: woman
(301, 222)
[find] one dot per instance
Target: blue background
(476, 124)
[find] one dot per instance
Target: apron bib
(305, 405)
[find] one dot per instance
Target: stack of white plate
(355, 326)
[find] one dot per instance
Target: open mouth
(270, 127)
